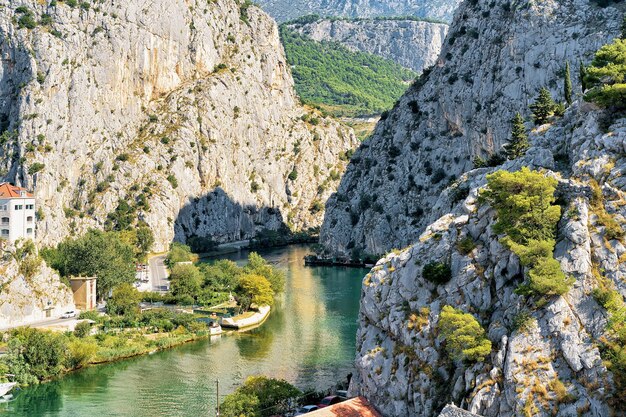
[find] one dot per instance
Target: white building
(17, 213)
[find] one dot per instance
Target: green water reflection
(309, 339)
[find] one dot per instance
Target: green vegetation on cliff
(606, 76)
(343, 83)
(464, 337)
(523, 201)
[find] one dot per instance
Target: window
(4, 207)
(5, 220)
(5, 232)
(29, 231)
(18, 207)
(28, 219)
(30, 206)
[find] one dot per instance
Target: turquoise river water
(309, 340)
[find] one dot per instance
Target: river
(309, 340)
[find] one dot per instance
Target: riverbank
(246, 320)
(180, 381)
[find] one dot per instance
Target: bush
(464, 337)
(36, 167)
(437, 272)
(82, 329)
(466, 245)
(124, 301)
(173, 181)
(80, 352)
(606, 76)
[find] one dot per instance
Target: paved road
(158, 274)
(51, 322)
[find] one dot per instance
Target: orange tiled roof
(355, 407)
(8, 190)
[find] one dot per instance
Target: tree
(179, 252)
(185, 279)
(97, 253)
(124, 301)
(35, 355)
(606, 76)
(464, 337)
(567, 87)
(582, 72)
(543, 107)
(122, 218)
(145, 240)
(518, 145)
(523, 203)
(257, 289)
(260, 396)
(259, 266)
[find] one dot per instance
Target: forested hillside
(342, 82)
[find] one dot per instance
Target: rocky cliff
(283, 11)
(547, 352)
(496, 57)
(184, 109)
(29, 290)
(411, 43)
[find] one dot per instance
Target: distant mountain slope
(283, 10)
(342, 82)
(412, 43)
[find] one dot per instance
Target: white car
(306, 409)
(68, 314)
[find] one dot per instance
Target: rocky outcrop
(186, 110)
(30, 294)
(545, 359)
(283, 11)
(496, 57)
(411, 43)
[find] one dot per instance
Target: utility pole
(217, 384)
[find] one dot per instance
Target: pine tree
(568, 85)
(518, 145)
(543, 107)
(582, 72)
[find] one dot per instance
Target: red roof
(8, 190)
(355, 407)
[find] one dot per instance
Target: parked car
(330, 400)
(68, 314)
(306, 409)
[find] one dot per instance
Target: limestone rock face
(25, 299)
(410, 43)
(496, 57)
(401, 364)
(186, 110)
(282, 10)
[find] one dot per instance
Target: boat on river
(5, 389)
